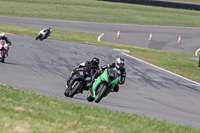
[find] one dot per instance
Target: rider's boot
(115, 88)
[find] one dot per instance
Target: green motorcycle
(103, 85)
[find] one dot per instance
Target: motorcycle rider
(3, 37)
(48, 31)
(92, 65)
(119, 67)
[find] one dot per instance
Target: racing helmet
(119, 63)
(2, 34)
(95, 62)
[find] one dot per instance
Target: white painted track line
(161, 68)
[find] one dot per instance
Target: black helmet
(95, 62)
(119, 63)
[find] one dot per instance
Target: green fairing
(88, 94)
(95, 85)
(114, 82)
(103, 77)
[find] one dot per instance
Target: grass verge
(28, 112)
(181, 64)
(21, 111)
(100, 11)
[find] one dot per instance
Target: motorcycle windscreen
(109, 76)
(112, 77)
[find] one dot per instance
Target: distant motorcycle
(78, 82)
(3, 50)
(103, 85)
(43, 34)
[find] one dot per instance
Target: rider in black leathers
(119, 66)
(92, 67)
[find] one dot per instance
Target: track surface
(42, 66)
(164, 38)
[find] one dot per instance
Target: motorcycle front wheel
(38, 37)
(100, 92)
(66, 93)
(75, 88)
(2, 57)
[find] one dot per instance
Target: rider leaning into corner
(48, 31)
(119, 67)
(92, 67)
(3, 37)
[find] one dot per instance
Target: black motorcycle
(78, 82)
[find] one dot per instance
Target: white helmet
(120, 63)
(2, 34)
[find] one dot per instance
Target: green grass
(180, 64)
(29, 112)
(32, 113)
(100, 11)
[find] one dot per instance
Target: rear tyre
(75, 87)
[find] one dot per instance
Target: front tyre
(75, 88)
(3, 57)
(66, 93)
(100, 92)
(38, 37)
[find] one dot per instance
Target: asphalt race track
(42, 67)
(164, 38)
